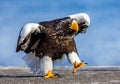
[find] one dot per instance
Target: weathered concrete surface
(85, 75)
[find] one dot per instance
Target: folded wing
(29, 37)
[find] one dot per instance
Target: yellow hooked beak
(74, 25)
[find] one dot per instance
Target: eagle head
(80, 22)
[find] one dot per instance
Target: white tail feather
(33, 62)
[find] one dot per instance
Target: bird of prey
(49, 40)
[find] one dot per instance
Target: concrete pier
(84, 75)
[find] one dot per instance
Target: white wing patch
(27, 29)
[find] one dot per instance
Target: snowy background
(99, 46)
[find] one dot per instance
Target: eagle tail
(33, 62)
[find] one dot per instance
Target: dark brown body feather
(55, 39)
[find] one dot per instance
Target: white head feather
(81, 17)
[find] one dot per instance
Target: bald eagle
(49, 40)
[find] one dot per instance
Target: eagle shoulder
(28, 35)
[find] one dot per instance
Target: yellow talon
(76, 65)
(50, 75)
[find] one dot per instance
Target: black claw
(57, 75)
(82, 60)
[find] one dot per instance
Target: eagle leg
(75, 60)
(76, 65)
(50, 75)
(48, 67)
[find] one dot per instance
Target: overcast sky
(99, 46)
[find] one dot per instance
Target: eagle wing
(29, 37)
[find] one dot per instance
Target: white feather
(33, 62)
(47, 64)
(81, 17)
(73, 57)
(27, 29)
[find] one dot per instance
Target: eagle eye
(82, 23)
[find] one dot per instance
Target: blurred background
(100, 45)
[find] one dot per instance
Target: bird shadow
(24, 76)
(19, 76)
